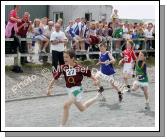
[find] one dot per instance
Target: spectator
(110, 29)
(44, 22)
(125, 30)
(97, 25)
(110, 35)
(99, 31)
(12, 22)
(39, 35)
(23, 25)
(82, 28)
(86, 35)
(105, 31)
(22, 32)
(93, 38)
(115, 15)
(148, 33)
(135, 37)
(118, 33)
(30, 42)
(71, 34)
(60, 21)
(49, 29)
(141, 35)
(58, 40)
(79, 28)
(131, 27)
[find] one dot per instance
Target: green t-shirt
(141, 72)
(118, 33)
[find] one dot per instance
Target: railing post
(87, 54)
(17, 59)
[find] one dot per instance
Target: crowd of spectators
(79, 33)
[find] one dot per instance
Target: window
(88, 16)
(57, 15)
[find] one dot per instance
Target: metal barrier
(87, 53)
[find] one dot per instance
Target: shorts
(128, 69)
(75, 92)
(140, 84)
(40, 37)
(105, 77)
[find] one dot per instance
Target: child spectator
(39, 35)
(30, 42)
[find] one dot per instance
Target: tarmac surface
(28, 106)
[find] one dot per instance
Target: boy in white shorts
(106, 61)
(128, 57)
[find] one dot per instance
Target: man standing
(58, 40)
(22, 31)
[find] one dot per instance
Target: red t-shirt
(23, 31)
(128, 55)
(73, 76)
(13, 13)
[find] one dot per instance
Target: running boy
(142, 78)
(73, 74)
(128, 58)
(106, 61)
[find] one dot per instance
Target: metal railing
(87, 52)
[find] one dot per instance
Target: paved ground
(18, 86)
(47, 112)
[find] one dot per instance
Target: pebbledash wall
(68, 12)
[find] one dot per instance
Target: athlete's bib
(71, 72)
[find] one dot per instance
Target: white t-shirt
(148, 34)
(57, 36)
(48, 32)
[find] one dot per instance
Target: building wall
(73, 11)
(36, 11)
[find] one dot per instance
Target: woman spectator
(11, 27)
(44, 22)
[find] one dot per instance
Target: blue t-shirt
(106, 69)
(72, 33)
(76, 30)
